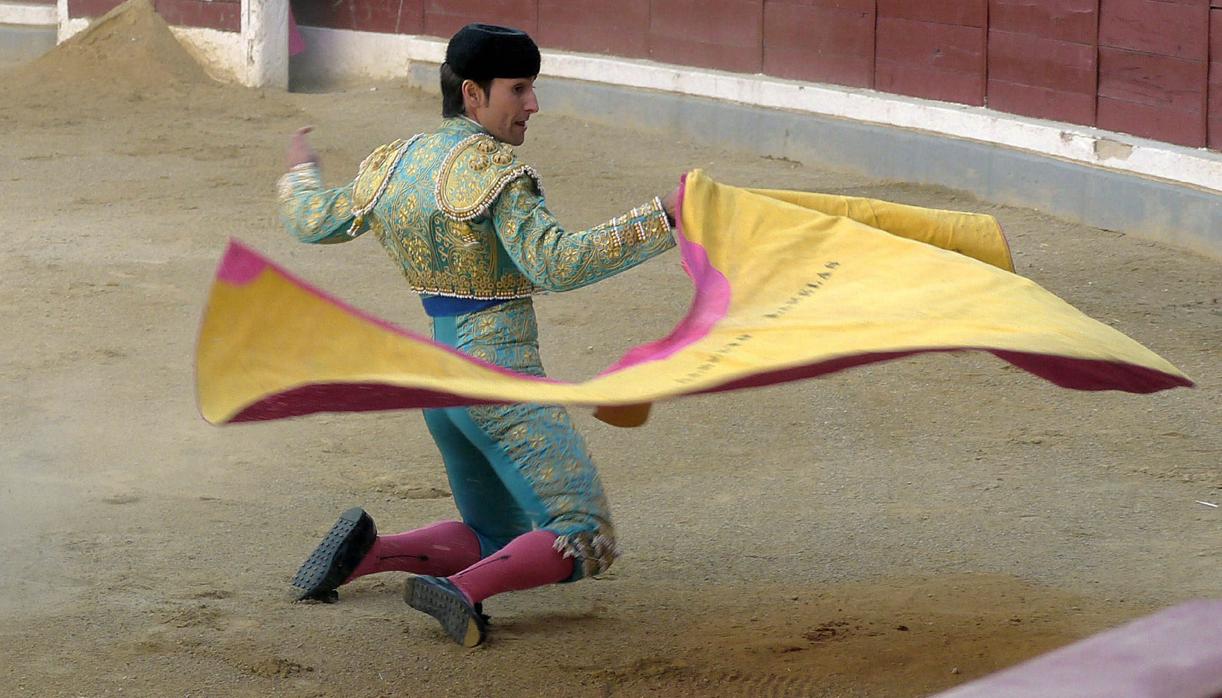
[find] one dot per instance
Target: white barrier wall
(28, 14)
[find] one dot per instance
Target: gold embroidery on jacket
(473, 174)
(430, 202)
(372, 179)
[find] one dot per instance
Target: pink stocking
(440, 549)
(528, 561)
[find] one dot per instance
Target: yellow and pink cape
(788, 285)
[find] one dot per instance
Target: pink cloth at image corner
(296, 42)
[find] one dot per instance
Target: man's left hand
(300, 151)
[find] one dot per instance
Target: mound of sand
(128, 68)
(129, 50)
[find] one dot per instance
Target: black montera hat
(486, 51)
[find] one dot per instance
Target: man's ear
(472, 95)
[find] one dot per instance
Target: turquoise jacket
(464, 218)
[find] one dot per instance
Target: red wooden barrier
(1042, 58)
(934, 49)
(967, 13)
(723, 34)
(225, 15)
(595, 26)
(1062, 20)
(91, 8)
(828, 41)
(387, 16)
(1152, 96)
(1215, 77)
(1154, 69)
(1039, 77)
(1178, 28)
(444, 17)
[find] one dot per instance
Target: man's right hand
(299, 150)
(670, 201)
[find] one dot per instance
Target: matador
(467, 223)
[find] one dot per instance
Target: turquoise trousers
(516, 468)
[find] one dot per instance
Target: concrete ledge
(23, 43)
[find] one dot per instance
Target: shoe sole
(449, 611)
(319, 574)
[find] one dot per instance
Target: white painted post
(265, 43)
(61, 14)
(68, 27)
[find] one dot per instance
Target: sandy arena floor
(888, 531)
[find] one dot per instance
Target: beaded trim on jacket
(474, 173)
(440, 284)
(372, 177)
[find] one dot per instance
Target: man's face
(506, 107)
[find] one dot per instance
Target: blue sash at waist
(446, 306)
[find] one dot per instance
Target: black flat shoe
(438, 597)
(336, 557)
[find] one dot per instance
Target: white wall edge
(353, 54)
(362, 55)
(22, 13)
